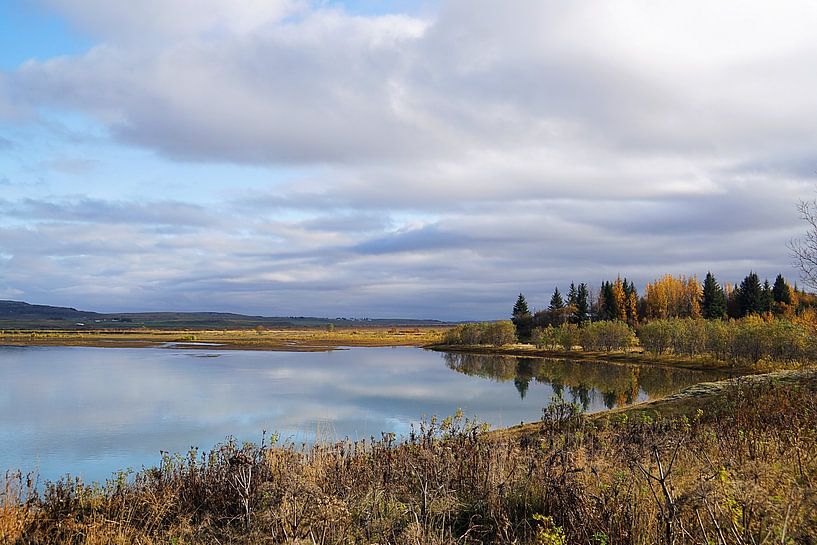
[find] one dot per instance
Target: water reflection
(92, 411)
(580, 382)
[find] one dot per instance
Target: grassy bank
(737, 466)
(307, 339)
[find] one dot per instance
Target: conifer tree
(750, 295)
(733, 309)
(521, 306)
(766, 297)
(607, 302)
(781, 291)
(556, 301)
(632, 302)
(557, 310)
(713, 300)
(572, 295)
(522, 319)
(582, 304)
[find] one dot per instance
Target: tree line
(676, 315)
(666, 297)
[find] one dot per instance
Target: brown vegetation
(307, 339)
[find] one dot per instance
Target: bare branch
(804, 249)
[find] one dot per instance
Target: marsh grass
(740, 472)
(265, 339)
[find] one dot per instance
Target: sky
(396, 158)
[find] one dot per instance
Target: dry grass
(739, 472)
(265, 339)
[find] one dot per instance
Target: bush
(568, 336)
(499, 333)
(656, 336)
(748, 340)
(545, 337)
(607, 335)
(493, 333)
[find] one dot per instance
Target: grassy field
(304, 339)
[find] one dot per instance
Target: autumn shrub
(607, 335)
(568, 336)
(747, 340)
(545, 337)
(491, 333)
(656, 336)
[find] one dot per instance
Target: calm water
(92, 411)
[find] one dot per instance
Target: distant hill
(20, 315)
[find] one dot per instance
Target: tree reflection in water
(580, 381)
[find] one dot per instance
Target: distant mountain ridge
(21, 315)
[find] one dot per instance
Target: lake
(93, 411)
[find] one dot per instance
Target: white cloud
(487, 148)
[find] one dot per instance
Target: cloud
(150, 19)
(514, 82)
(97, 211)
(435, 165)
(422, 239)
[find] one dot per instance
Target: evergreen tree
(522, 319)
(556, 309)
(521, 306)
(556, 302)
(607, 302)
(750, 295)
(713, 300)
(572, 296)
(766, 297)
(781, 291)
(582, 304)
(733, 309)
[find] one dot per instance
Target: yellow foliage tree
(671, 297)
(621, 300)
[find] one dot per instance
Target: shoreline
(316, 340)
(277, 340)
(621, 358)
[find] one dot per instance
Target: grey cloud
(357, 222)
(468, 265)
(421, 239)
(441, 164)
(97, 211)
